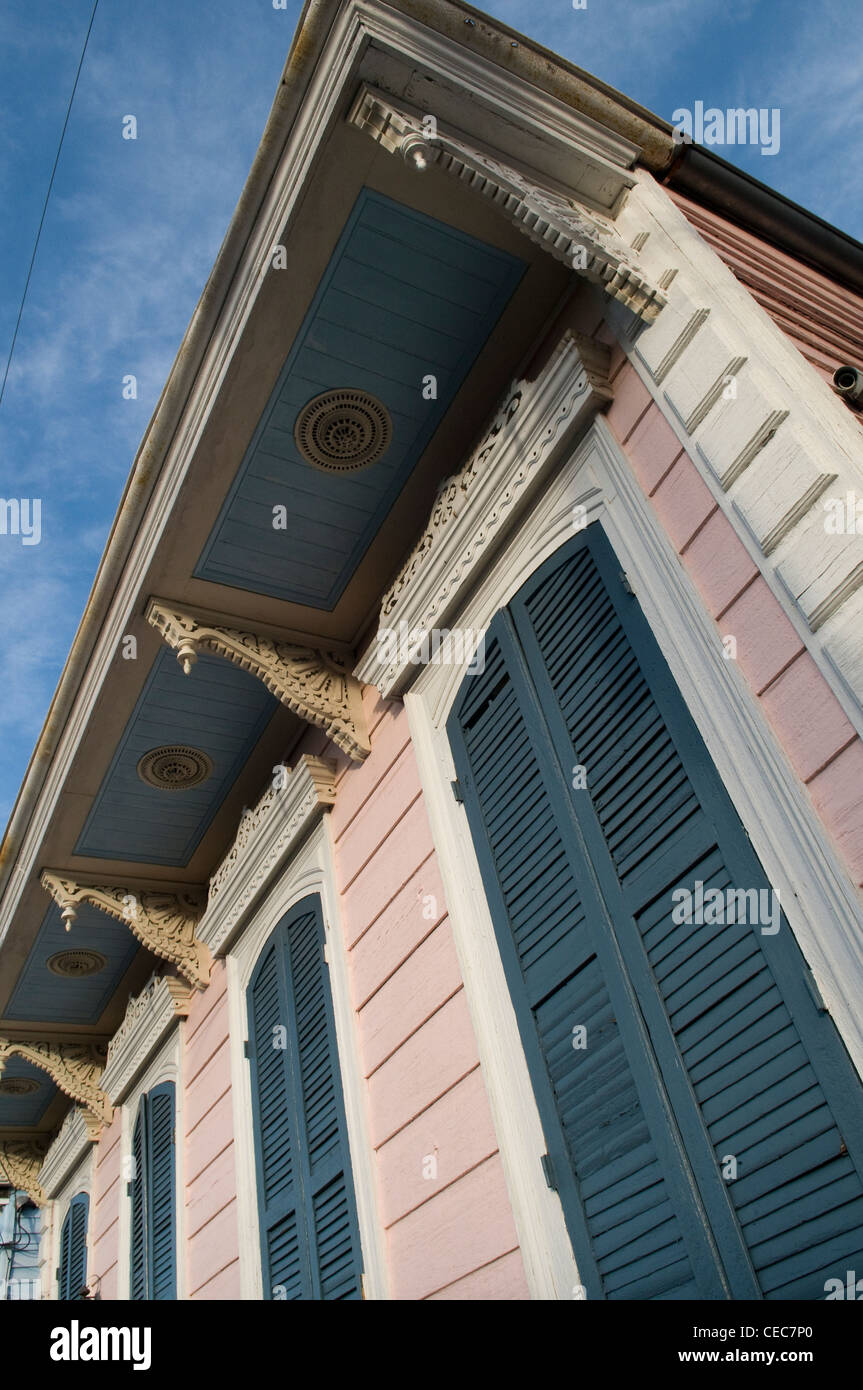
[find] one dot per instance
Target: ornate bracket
(20, 1162)
(316, 685)
(164, 922)
(75, 1067)
(566, 229)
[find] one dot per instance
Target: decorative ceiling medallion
(73, 964)
(174, 769)
(341, 431)
(18, 1086)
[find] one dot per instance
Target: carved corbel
(164, 922)
(566, 229)
(316, 685)
(74, 1067)
(20, 1162)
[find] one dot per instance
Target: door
(702, 1117)
(310, 1246)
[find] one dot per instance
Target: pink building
(454, 788)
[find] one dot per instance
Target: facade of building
(440, 873)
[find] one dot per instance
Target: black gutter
(703, 176)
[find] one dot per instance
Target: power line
(45, 205)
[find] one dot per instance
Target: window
(153, 1273)
(702, 1118)
(310, 1245)
(72, 1270)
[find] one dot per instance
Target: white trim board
(821, 906)
(310, 871)
(166, 1065)
(772, 455)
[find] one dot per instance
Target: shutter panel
(629, 1211)
(76, 1265)
(138, 1251)
(309, 1230)
(161, 1193)
(63, 1266)
(749, 1067)
(281, 1223)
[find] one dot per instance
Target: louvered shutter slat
(310, 1241)
(742, 1061)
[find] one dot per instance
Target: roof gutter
(701, 175)
(314, 26)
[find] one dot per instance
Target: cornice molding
(567, 229)
(164, 922)
(476, 507)
(316, 685)
(21, 1161)
(66, 1151)
(267, 835)
(149, 1016)
(75, 1067)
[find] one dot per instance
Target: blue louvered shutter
(161, 1197)
(309, 1233)
(73, 1248)
(137, 1192)
(153, 1258)
(706, 1042)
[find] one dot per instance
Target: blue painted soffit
(26, 1110)
(42, 996)
(403, 296)
(220, 710)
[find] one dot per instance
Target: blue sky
(133, 226)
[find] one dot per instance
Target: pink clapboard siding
(824, 320)
(105, 1209)
(818, 739)
(211, 1232)
(449, 1234)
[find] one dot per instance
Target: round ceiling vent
(342, 431)
(174, 769)
(18, 1086)
(73, 964)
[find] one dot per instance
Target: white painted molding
(476, 507)
(821, 905)
(770, 439)
(366, 34)
(310, 871)
(267, 835)
(149, 1017)
(165, 1065)
(73, 1141)
(568, 230)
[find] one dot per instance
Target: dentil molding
(565, 228)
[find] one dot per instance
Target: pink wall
(451, 1235)
(105, 1209)
(821, 745)
(211, 1232)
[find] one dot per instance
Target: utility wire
(45, 205)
